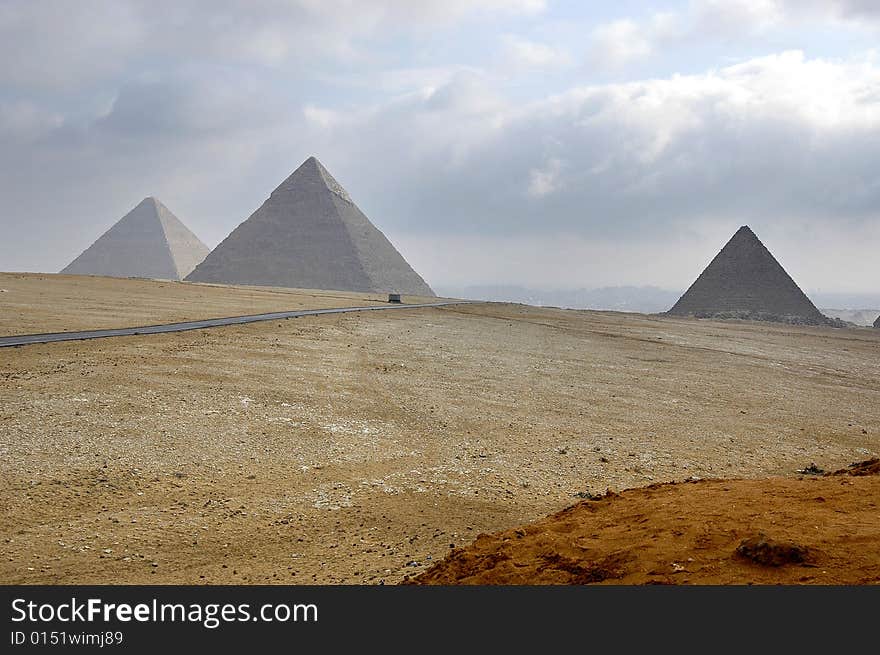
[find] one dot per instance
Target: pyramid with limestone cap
(149, 241)
(745, 281)
(309, 234)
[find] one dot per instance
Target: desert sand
(37, 302)
(359, 448)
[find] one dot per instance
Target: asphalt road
(51, 337)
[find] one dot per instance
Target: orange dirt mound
(806, 530)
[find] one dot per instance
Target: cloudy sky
(544, 143)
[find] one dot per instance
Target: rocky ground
(360, 448)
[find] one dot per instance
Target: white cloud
(786, 143)
(782, 142)
(867, 11)
(620, 42)
(466, 93)
(24, 121)
(543, 181)
(49, 44)
(321, 117)
(440, 10)
(624, 41)
(720, 17)
(523, 54)
(52, 44)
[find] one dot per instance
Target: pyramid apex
(311, 162)
(310, 172)
(745, 234)
(154, 202)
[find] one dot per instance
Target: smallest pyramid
(745, 281)
(149, 241)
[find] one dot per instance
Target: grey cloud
(186, 106)
(22, 121)
(620, 42)
(626, 160)
(200, 144)
(845, 8)
(780, 141)
(62, 45)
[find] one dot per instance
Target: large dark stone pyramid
(745, 281)
(309, 234)
(149, 241)
(877, 322)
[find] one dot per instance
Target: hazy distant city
(853, 307)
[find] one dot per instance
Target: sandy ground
(810, 530)
(34, 302)
(359, 448)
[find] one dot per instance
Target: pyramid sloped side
(187, 250)
(295, 239)
(309, 234)
(877, 322)
(745, 280)
(383, 264)
(134, 247)
(330, 181)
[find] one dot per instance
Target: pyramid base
(765, 316)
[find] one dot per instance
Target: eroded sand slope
(810, 530)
